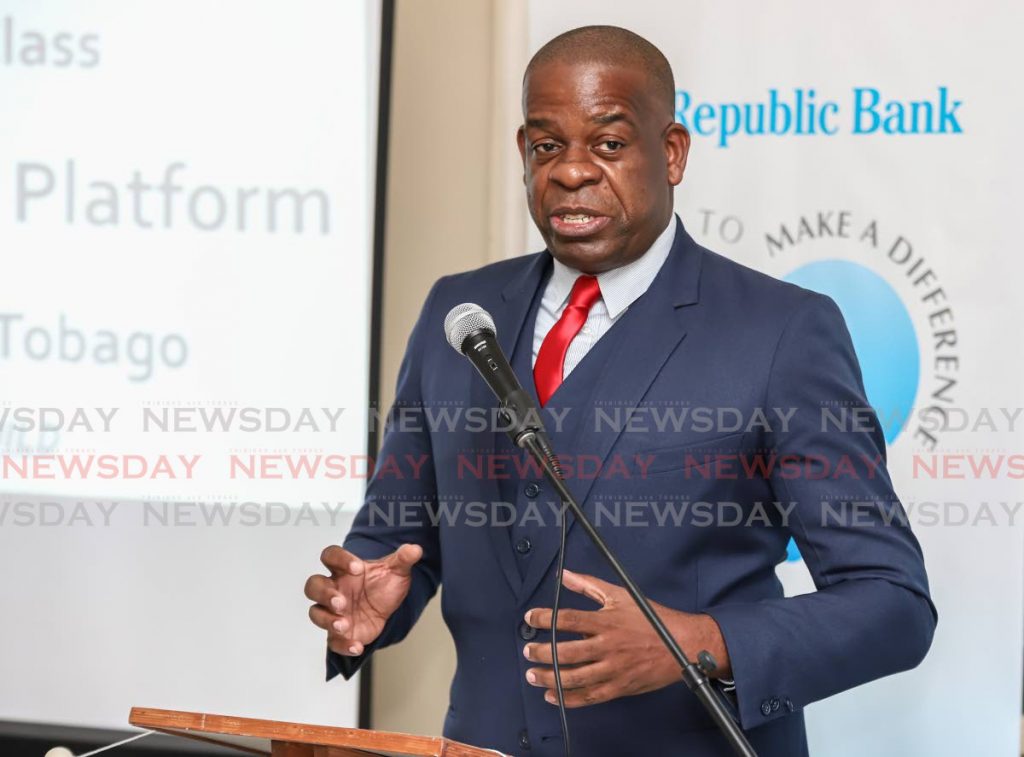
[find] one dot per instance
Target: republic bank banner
(869, 151)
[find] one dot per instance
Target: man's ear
(521, 144)
(677, 147)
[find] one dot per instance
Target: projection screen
(186, 205)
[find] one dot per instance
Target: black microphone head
(463, 320)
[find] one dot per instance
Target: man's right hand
(356, 600)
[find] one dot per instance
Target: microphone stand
(695, 676)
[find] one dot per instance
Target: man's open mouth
(577, 223)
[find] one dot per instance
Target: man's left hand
(620, 654)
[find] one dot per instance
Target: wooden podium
(296, 739)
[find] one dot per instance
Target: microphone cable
(559, 570)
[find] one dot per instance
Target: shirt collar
(620, 287)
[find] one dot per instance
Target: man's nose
(576, 168)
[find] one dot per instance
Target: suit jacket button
(766, 708)
(524, 739)
(789, 704)
(527, 632)
(523, 546)
(532, 490)
(776, 704)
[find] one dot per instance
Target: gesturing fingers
(579, 677)
(600, 591)
(324, 592)
(577, 621)
(327, 614)
(340, 561)
(337, 628)
(569, 652)
(584, 697)
(327, 620)
(403, 558)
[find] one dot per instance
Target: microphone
(470, 331)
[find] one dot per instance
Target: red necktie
(550, 365)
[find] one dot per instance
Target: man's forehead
(608, 111)
(600, 90)
(586, 74)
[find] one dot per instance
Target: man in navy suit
(623, 320)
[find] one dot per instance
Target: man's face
(600, 159)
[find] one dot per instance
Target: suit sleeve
(397, 508)
(871, 615)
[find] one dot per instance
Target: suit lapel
(643, 340)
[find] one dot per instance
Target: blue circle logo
(883, 336)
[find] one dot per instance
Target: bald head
(612, 46)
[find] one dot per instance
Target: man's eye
(545, 147)
(612, 145)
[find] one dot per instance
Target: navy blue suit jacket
(708, 333)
